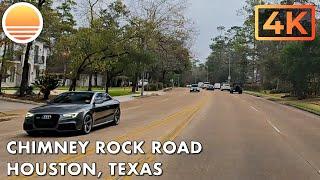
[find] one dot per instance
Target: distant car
(205, 85)
(188, 86)
(194, 88)
(73, 111)
(236, 88)
(210, 87)
(200, 84)
(144, 84)
(217, 85)
(225, 87)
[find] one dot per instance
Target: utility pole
(229, 77)
(207, 73)
(143, 70)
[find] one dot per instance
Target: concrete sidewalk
(15, 106)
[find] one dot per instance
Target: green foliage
(154, 87)
(277, 66)
(46, 84)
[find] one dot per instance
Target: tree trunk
(2, 70)
(135, 84)
(163, 76)
(64, 74)
(46, 95)
(25, 71)
(108, 80)
(95, 79)
(107, 86)
(90, 81)
(73, 84)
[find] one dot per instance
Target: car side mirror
(98, 101)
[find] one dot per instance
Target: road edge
(283, 103)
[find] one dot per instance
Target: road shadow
(54, 134)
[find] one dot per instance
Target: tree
(46, 84)
(25, 70)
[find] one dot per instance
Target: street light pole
(143, 71)
(229, 77)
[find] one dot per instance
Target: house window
(36, 54)
(12, 74)
(37, 73)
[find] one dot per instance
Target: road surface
(243, 138)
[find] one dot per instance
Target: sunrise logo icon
(22, 22)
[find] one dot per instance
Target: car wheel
(116, 116)
(87, 124)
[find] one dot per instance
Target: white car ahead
(194, 88)
(226, 87)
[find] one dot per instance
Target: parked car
(188, 86)
(236, 88)
(225, 87)
(195, 88)
(210, 87)
(144, 84)
(73, 111)
(205, 85)
(200, 84)
(217, 85)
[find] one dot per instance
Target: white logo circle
(25, 22)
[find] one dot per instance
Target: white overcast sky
(207, 16)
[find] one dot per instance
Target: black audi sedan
(73, 111)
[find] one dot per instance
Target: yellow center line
(148, 157)
(136, 132)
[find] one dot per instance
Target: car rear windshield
(194, 85)
(74, 98)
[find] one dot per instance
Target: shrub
(29, 91)
(46, 84)
(154, 87)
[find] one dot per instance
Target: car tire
(87, 124)
(116, 117)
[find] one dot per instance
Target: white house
(38, 59)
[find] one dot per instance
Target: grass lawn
(113, 91)
(311, 105)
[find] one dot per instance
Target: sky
(207, 16)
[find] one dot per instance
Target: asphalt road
(243, 138)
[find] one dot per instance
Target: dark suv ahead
(236, 88)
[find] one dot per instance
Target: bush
(29, 91)
(252, 87)
(46, 84)
(277, 91)
(154, 87)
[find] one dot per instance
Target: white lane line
(254, 108)
(164, 100)
(3, 135)
(132, 108)
(274, 127)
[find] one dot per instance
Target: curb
(20, 101)
(285, 104)
(8, 118)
